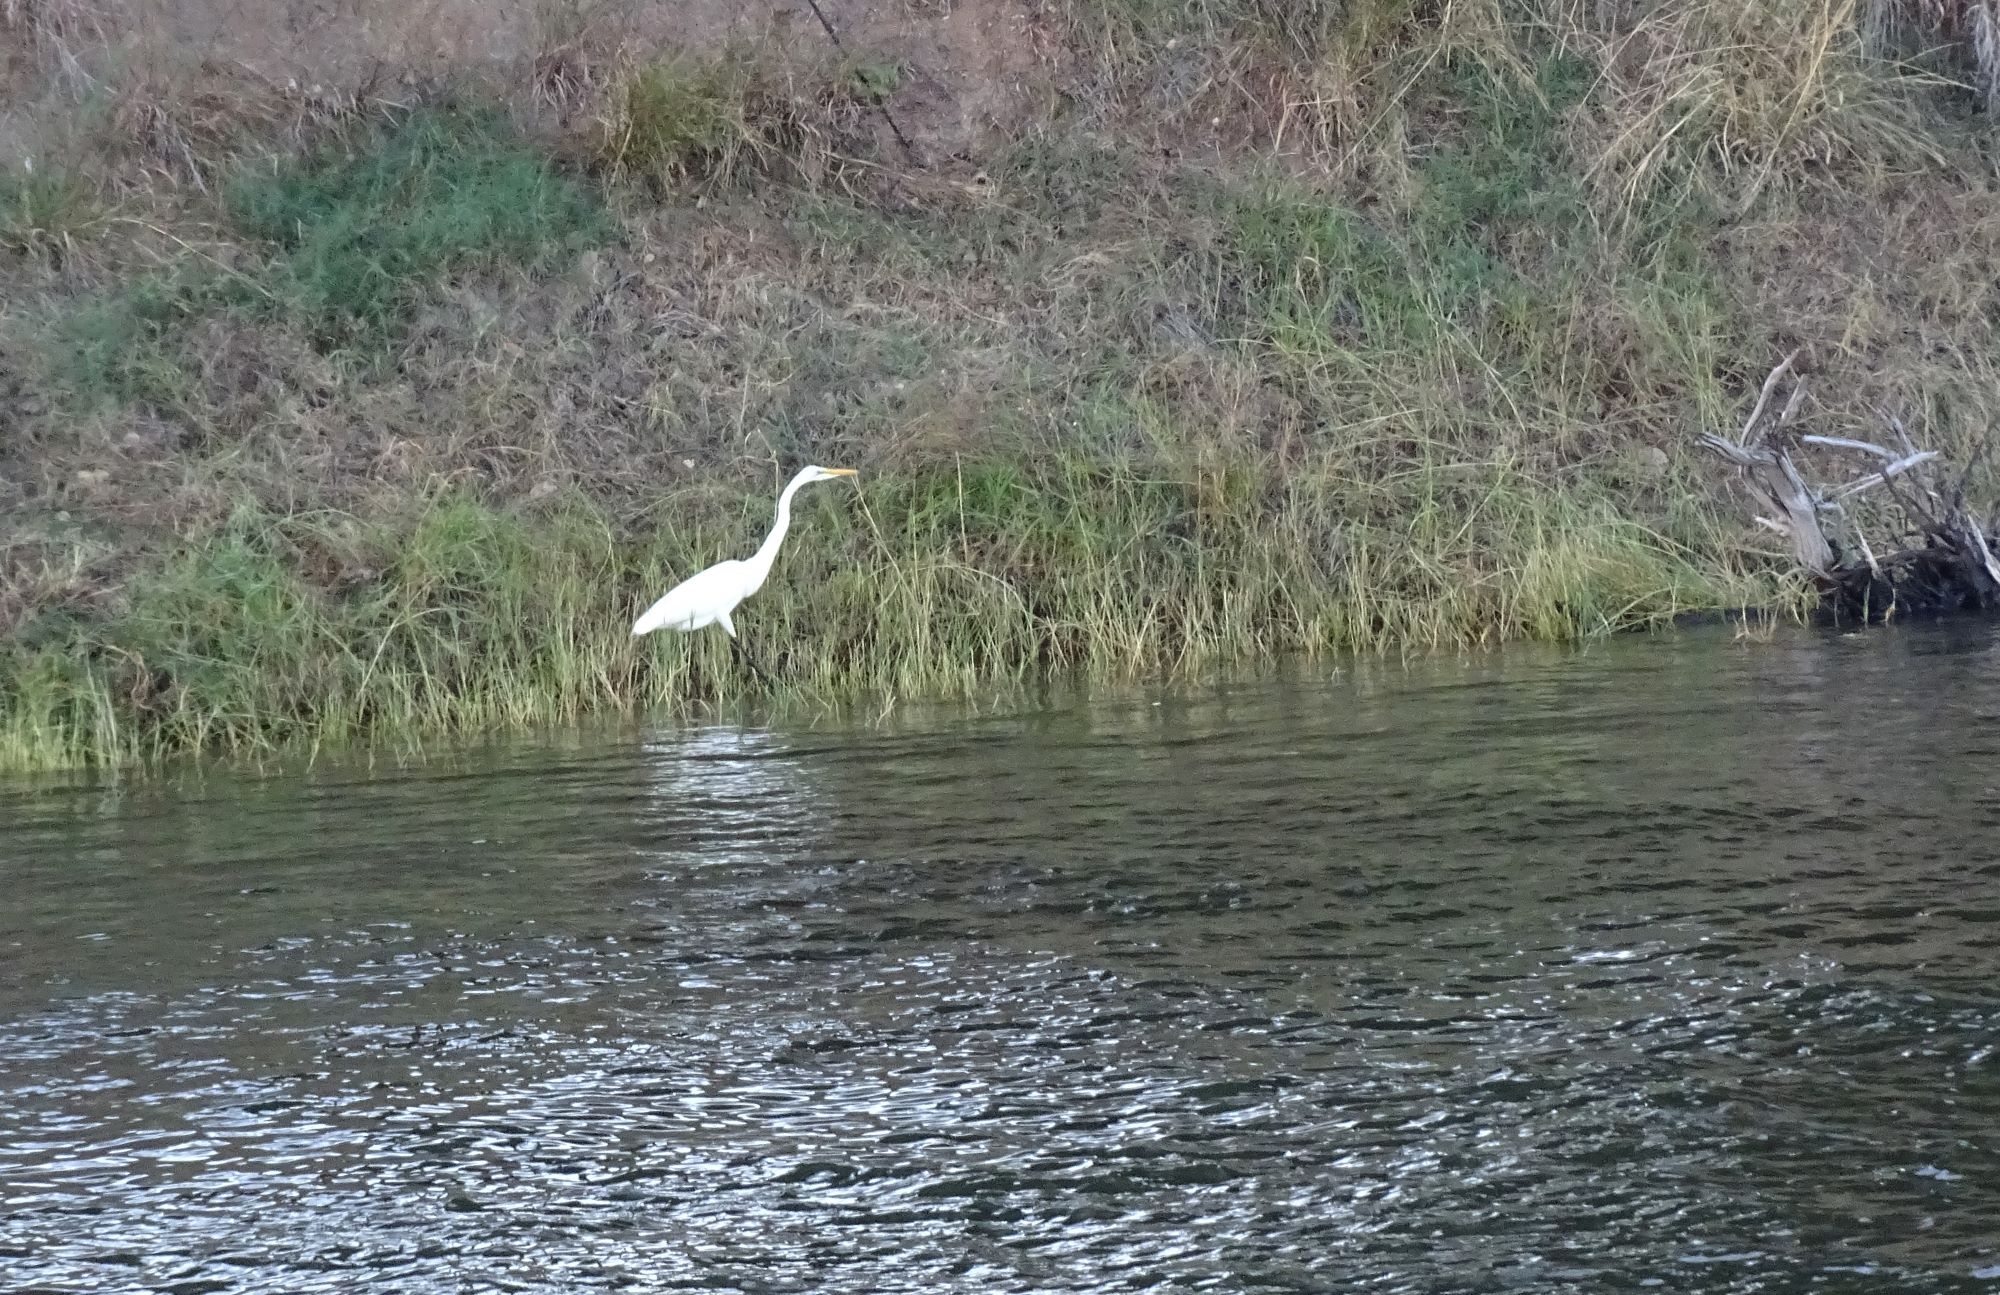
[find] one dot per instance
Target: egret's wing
(695, 601)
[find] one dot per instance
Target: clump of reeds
(279, 630)
(676, 121)
(45, 210)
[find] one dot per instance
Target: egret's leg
(742, 653)
(751, 661)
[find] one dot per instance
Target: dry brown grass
(62, 31)
(1969, 28)
(1746, 94)
(1731, 96)
(1739, 93)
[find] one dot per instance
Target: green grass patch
(710, 121)
(362, 228)
(1496, 226)
(1322, 277)
(365, 224)
(679, 119)
(129, 345)
(924, 584)
(44, 212)
(1493, 307)
(1507, 169)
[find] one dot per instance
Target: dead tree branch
(1766, 468)
(1946, 556)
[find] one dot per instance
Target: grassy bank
(473, 616)
(1368, 327)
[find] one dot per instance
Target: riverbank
(385, 403)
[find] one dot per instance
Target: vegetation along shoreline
(371, 380)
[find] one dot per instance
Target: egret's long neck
(767, 553)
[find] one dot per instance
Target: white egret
(707, 597)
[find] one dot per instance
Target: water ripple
(1654, 966)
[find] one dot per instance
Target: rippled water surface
(1668, 964)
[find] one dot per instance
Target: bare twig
(881, 106)
(1874, 479)
(1895, 425)
(1777, 375)
(1769, 472)
(1984, 550)
(1792, 405)
(1867, 553)
(1842, 443)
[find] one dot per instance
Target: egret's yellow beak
(841, 472)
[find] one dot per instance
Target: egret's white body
(708, 596)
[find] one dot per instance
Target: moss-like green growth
(363, 228)
(364, 223)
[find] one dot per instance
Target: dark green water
(1674, 965)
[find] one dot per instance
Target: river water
(1669, 964)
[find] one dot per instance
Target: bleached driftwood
(1943, 558)
(1767, 469)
